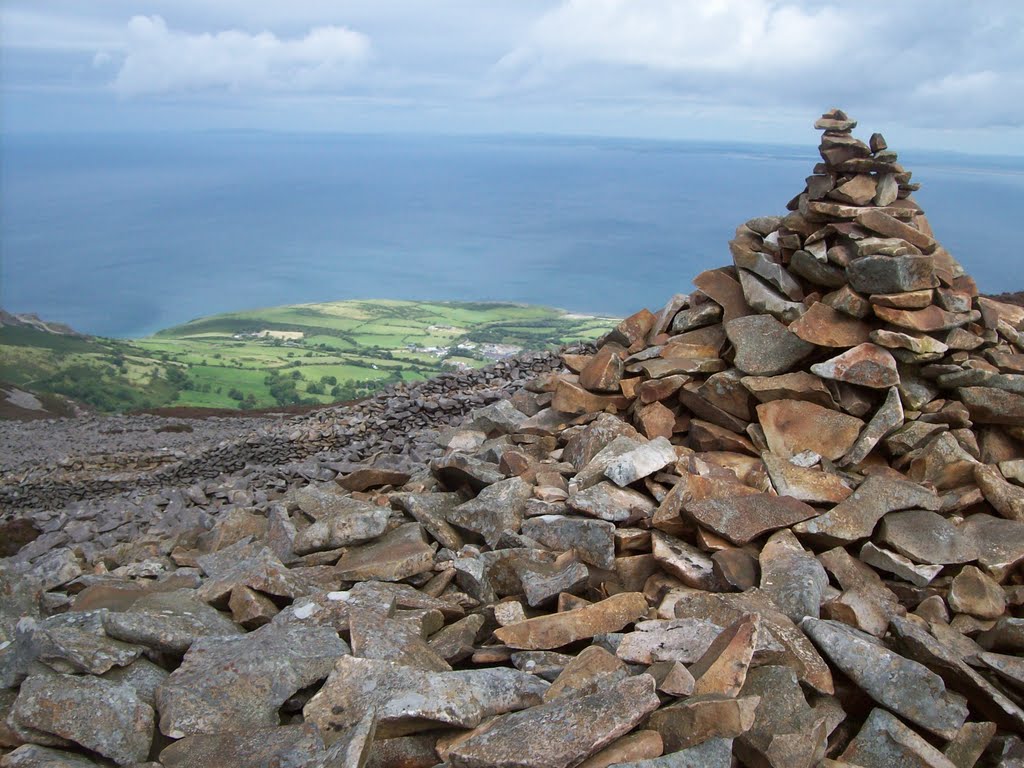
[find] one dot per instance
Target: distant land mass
(303, 354)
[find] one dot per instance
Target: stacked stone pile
(779, 523)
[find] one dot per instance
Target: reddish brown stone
(792, 427)
(866, 365)
(603, 372)
(824, 326)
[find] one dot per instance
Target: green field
(306, 353)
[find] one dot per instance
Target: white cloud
(915, 59)
(161, 60)
(741, 36)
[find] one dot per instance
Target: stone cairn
(780, 523)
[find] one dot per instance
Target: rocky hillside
(779, 522)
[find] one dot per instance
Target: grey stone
(408, 700)
(560, 733)
(891, 274)
(287, 746)
(606, 501)
(355, 522)
(593, 540)
(855, 517)
(496, 509)
(885, 742)
(169, 622)
(902, 685)
(235, 683)
(104, 717)
(638, 463)
(764, 346)
(926, 537)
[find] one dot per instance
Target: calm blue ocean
(124, 235)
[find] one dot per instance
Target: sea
(122, 235)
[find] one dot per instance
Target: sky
(930, 74)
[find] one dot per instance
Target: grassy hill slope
(312, 353)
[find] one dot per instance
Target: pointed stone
(787, 732)
(887, 418)
(723, 667)
(559, 629)
(496, 509)
(697, 719)
(638, 746)
(885, 742)
(916, 643)
(904, 568)
(884, 224)
(904, 686)
(866, 365)
(1007, 499)
(974, 593)
(604, 371)
(855, 517)
(767, 300)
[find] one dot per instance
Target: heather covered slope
(778, 523)
(310, 354)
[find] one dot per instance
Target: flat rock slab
(926, 537)
(407, 700)
(902, 685)
(353, 523)
(396, 555)
(169, 622)
(638, 463)
(824, 326)
(287, 746)
(107, 718)
(593, 540)
(855, 517)
(794, 426)
(742, 519)
(606, 501)
(235, 683)
(560, 733)
(559, 629)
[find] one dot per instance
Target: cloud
(159, 60)
(915, 58)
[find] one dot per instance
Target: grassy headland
(305, 353)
